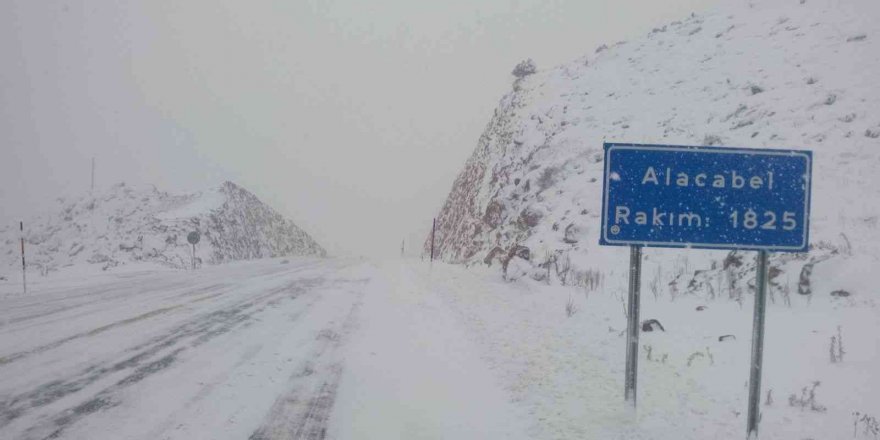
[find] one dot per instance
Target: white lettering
(621, 213)
(690, 217)
(650, 176)
(756, 182)
(682, 179)
(736, 181)
(657, 218)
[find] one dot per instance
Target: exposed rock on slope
(126, 225)
(776, 74)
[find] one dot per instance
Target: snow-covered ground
(349, 349)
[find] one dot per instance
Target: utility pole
(23, 267)
(433, 229)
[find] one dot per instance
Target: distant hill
(126, 225)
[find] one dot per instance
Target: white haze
(352, 118)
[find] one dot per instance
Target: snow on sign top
(706, 197)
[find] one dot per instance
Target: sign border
(806, 154)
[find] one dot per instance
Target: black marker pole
(433, 229)
(23, 267)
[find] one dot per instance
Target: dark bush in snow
(524, 68)
(804, 287)
(530, 217)
(711, 139)
(547, 178)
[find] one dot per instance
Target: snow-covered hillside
(776, 74)
(127, 225)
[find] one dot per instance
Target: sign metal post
(707, 198)
(757, 345)
(193, 239)
(632, 328)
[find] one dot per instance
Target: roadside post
(705, 198)
(193, 239)
(23, 267)
(433, 230)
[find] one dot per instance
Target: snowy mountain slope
(125, 225)
(777, 74)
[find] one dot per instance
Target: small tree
(524, 68)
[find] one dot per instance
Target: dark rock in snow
(652, 325)
(725, 338)
(495, 254)
(492, 217)
(530, 217)
(573, 234)
(519, 251)
(840, 293)
(701, 308)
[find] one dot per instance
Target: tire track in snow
(303, 411)
(150, 358)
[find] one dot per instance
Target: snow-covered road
(253, 350)
(349, 349)
(238, 351)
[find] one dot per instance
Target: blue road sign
(706, 197)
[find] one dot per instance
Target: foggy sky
(351, 118)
